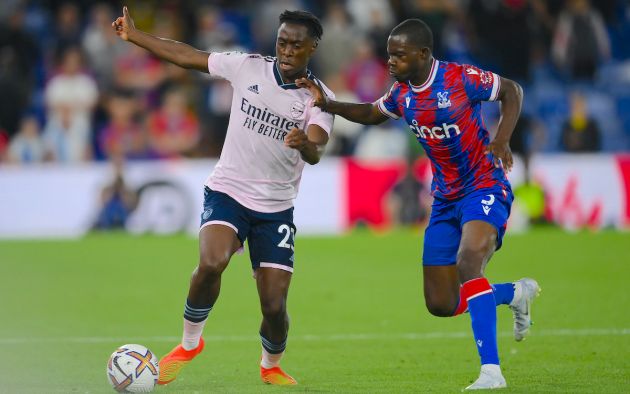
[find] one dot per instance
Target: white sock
(270, 360)
(491, 369)
(192, 333)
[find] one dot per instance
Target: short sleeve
(480, 85)
(388, 103)
(321, 118)
(226, 64)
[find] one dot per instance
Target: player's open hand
(502, 154)
(296, 139)
(123, 25)
(319, 98)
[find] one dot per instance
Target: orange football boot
(172, 363)
(276, 376)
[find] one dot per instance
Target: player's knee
(471, 259)
(213, 263)
(274, 309)
(439, 309)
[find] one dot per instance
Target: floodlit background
(104, 151)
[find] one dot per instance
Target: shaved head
(417, 32)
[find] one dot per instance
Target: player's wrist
(132, 35)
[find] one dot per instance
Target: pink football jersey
(255, 168)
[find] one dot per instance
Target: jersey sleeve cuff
(384, 110)
(496, 86)
(327, 127)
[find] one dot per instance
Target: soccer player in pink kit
(441, 102)
(271, 134)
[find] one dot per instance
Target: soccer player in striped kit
(441, 103)
(249, 196)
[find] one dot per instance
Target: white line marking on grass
(559, 332)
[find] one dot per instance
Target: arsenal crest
(297, 109)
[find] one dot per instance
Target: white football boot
(490, 378)
(525, 290)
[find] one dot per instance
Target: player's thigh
(223, 230)
(490, 206)
(484, 219)
(442, 236)
(441, 242)
(217, 244)
(271, 241)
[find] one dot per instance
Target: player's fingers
(125, 12)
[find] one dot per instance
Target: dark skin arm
(365, 113)
(175, 52)
(310, 144)
(511, 99)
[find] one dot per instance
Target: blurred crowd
(73, 92)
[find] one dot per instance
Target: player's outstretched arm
(366, 113)
(175, 52)
(511, 98)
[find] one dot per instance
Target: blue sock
(196, 313)
(503, 293)
(483, 316)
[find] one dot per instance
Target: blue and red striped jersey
(445, 115)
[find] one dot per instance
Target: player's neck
(290, 78)
(423, 74)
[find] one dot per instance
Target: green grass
(358, 322)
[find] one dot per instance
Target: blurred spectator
(136, 69)
(529, 137)
(409, 202)
(503, 36)
(340, 35)
(101, 45)
(435, 13)
(580, 133)
(366, 12)
(212, 31)
(173, 128)
(67, 138)
(27, 145)
(366, 75)
(580, 42)
(70, 99)
(117, 202)
(123, 137)
(18, 57)
(67, 28)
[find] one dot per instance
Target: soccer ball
(133, 369)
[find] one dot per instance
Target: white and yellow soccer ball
(133, 369)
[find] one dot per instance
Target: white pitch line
(559, 332)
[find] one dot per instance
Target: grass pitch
(358, 320)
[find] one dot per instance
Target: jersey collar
(280, 81)
(434, 68)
